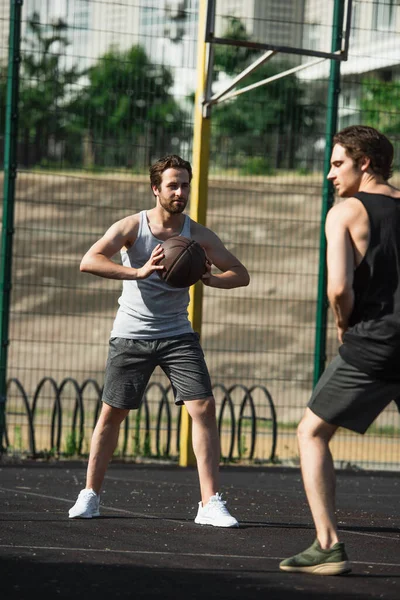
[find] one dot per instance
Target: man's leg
(104, 441)
(318, 474)
(206, 445)
(326, 556)
(182, 360)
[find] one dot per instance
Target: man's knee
(201, 410)
(311, 426)
(112, 415)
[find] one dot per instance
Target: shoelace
(219, 504)
(87, 495)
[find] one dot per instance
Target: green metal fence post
(327, 193)
(10, 173)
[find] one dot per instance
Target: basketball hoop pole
(198, 204)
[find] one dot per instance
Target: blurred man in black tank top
(363, 259)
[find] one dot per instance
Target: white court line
(147, 516)
(183, 554)
(374, 535)
(117, 510)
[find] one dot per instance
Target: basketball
(184, 262)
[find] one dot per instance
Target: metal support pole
(328, 193)
(10, 174)
(198, 206)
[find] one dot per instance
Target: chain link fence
(105, 89)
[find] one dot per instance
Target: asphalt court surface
(146, 544)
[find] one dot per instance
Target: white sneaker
(86, 506)
(215, 513)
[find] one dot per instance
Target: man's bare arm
(97, 259)
(233, 273)
(340, 262)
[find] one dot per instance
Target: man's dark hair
(360, 141)
(171, 161)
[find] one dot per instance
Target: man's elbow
(246, 279)
(337, 292)
(84, 267)
(243, 275)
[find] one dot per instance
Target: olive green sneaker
(317, 561)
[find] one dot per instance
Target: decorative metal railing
(63, 416)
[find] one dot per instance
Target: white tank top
(149, 308)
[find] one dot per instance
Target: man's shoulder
(201, 233)
(346, 212)
(128, 227)
(348, 206)
(198, 229)
(131, 220)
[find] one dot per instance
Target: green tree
(121, 113)
(379, 104)
(261, 128)
(45, 84)
(228, 59)
(128, 110)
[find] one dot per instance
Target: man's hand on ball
(206, 278)
(152, 264)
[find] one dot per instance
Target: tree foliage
(379, 104)
(127, 105)
(261, 127)
(44, 83)
(119, 112)
(42, 88)
(228, 59)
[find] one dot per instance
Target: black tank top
(372, 342)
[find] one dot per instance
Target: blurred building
(275, 22)
(374, 52)
(168, 31)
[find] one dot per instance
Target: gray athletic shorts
(131, 363)
(346, 397)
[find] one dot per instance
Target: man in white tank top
(152, 328)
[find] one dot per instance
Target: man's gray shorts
(346, 397)
(131, 363)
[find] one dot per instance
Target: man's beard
(171, 208)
